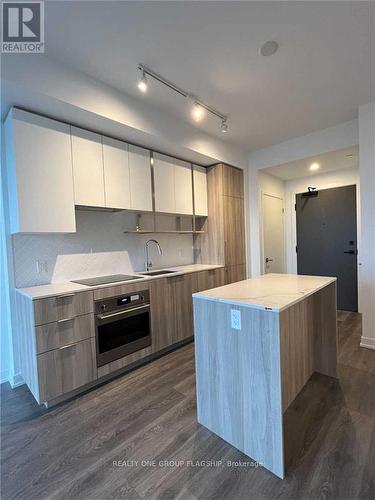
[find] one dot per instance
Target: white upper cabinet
(183, 188)
(116, 174)
(200, 191)
(165, 200)
(173, 186)
(140, 179)
(39, 174)
(87, 151)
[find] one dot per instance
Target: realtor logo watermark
(22, 27)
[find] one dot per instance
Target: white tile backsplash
(98, 247)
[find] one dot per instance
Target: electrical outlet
(41, 266)
(235, 319)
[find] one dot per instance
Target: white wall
(344, 177)
(367, 258)
(322, 141)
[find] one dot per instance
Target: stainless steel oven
(122, 326)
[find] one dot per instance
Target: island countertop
(272, 291)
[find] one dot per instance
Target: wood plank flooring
(68, 452)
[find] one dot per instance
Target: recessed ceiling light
(269, 48)
(197, 112)
(142, 84)
(314, 166)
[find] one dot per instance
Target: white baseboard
(367, 342)
(16, 380)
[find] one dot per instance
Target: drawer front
(112, 291)
(62, 307)
(65, 369)
(60, 333)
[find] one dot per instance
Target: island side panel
(239, 379)
(325, 330)
(308, 340)
(297, 348)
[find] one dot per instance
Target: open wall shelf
(165, 224)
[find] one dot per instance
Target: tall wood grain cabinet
(39, 174)
(224, 239)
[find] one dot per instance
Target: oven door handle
(127, 312)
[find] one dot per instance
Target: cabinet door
(116, 173)
(210, 279)
(183, 188)
(232, 181)
(163, 319)
(165, 200)
(88, 172)
(200, 191)
(185, 286)
(235, 273)
(40, 175)
(65, 369)
(140, 179)
(234, 231)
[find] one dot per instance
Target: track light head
(143, 83)
(197, 112)
(224, 127)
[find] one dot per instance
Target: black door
(327, 240)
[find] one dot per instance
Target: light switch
(235, 319)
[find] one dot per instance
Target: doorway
(273, 234)
(326, 224)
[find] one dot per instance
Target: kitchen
(143, 318)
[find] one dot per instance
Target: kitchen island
(257, 342)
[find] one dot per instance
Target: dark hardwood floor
(80, 449)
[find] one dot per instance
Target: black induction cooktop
(102, 280)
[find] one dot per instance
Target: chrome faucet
(148, 263)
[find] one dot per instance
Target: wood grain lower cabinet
(210, 279)
(235, 273)
(185, 286)
(65, 369)
(162, 298)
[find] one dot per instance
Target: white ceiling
(324, 69)
(329, 162)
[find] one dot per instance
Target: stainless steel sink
(157, 273)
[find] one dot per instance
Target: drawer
(63, 332)
(62, 307)
(65, 369)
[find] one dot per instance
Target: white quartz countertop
(53, 289)
(274, 292)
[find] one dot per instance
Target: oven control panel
(121, 302)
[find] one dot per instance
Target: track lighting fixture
(142, 84)
(224, 127)
(199, 108)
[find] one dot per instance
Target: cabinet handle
(65, 296)
(68, 346)
(65, 319)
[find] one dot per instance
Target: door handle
(351, 252)
(268, 259)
